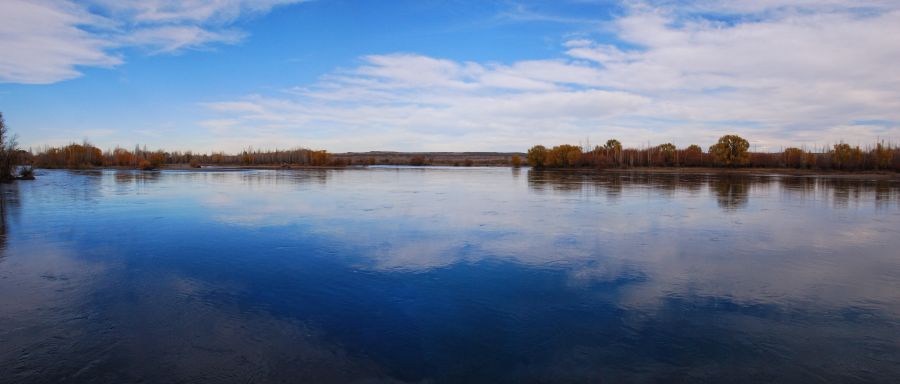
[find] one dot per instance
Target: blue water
(447, 275)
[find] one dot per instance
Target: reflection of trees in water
(886, 193)
(9, 202)
(847, 191)
(220, 176)
(614, 188)
(731, 191)
(288, 176)
(3, 211)
(570, 181)
(803, 187)
(612, 184)
(136, 177)
(842, 192)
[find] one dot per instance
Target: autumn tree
(537, 156)
(157, 159)
(564, 156)
(319, 158)
(845, 157)
(72, 156)
(692, 155)
(121, 157)
(614, 151)
(730, 151)
(613, 145)
(794, 157)
(810, 160)
(666, 153)
(883, 156)
(515, 161)
(596, 157)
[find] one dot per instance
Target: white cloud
(186, 11)
(41, 42)
(47, 41)
(769, 6)
(395, 101)
(175, 38)
(777, 72)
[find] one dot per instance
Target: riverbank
(862, 175)
(859, 175)
(865, 175)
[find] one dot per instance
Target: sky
(453, 75)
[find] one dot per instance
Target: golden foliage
(515, 161)
(731, 151)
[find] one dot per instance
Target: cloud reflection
(697, 234)
(341, 275)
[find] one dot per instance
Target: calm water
(447, 275)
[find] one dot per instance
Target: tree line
(86, 155)
(730, 151)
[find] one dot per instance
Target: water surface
(447, 275)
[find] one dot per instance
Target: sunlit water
(447, 275)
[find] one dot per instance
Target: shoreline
(792, 172)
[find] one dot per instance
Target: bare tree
(8, 152)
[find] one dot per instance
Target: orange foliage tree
(730, 151)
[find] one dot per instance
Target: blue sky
(448, 75)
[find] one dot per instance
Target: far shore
(856, 175)
(861, 175)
